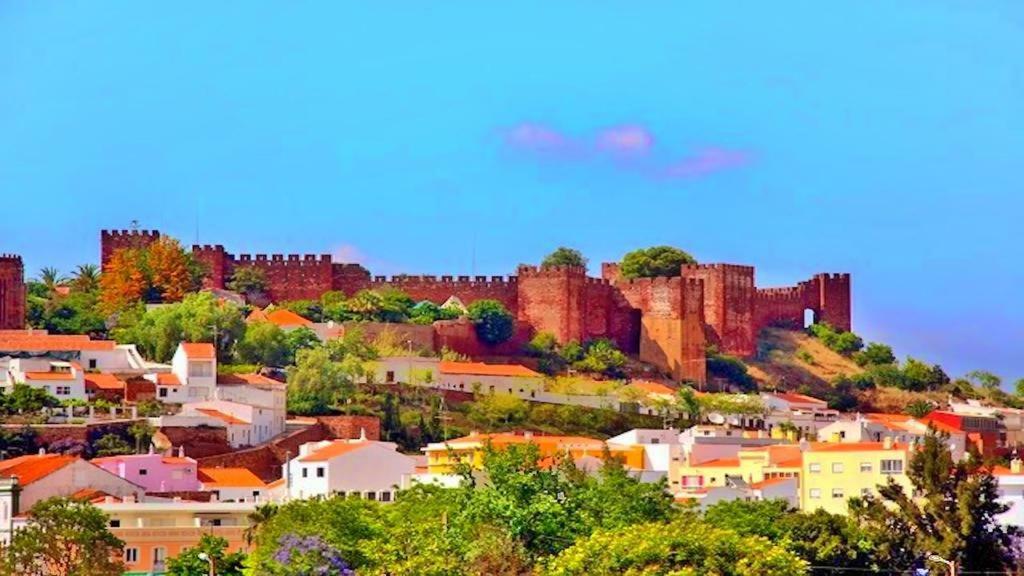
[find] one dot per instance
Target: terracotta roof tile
(228, 418)
(334, 449)
(49, 376)
(284, 317)
(481, 369)
(199, 350)
(28, 469)
(257, 380)
(795, 398)
(854, 447)
(720, 463)
(167, 379)
(229, 478)
(770, 482)
(36, 342)
(103, 381)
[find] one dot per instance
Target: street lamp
(949, 563)
(206, 557)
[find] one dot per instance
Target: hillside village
(180, 393)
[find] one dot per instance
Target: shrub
(494, 324)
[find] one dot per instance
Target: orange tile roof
(794, 463)
(795, 398)
(854, 446)
(256, 315)
(90, 495)
(721, 463)
(276, 483)
(334, 449)
(229, 478)
(28, 469)
(199, 350)
(27, 340)
(103, 381)
(49, 376)
(257, 380)
(653, 387)
(228, 418)
(285, 317)
(481, 369)
(167, 379)
(177, 460)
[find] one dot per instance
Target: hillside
(789, 359)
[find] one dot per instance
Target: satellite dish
(716, 418)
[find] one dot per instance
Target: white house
(877, 427)
(193, 374)
(1011, 492)
(266, 396)
(26, 480)
(246, 425)
(659, 446)
(361, 468)
(806, 413)
(65, 380)
(101, 355)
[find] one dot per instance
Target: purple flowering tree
(308, 556)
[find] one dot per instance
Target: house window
(389, 376)
(837, 492)
(163, 393)
(385, 496)
(143, 472)
(92, 364)
(159, 555)
(115, 523)
(371, 495)
(305, 472)
(63, 390)
(865, 466)
(815, 493)
(200, 369)
(319, 471)
(131, 555)
(215, 522)
(814, 468)
(255, 493)
(655, 441)
(837, 467)
(892, 466)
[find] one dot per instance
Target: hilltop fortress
(667, 322)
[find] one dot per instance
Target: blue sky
(881, 138)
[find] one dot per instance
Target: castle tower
(113, 240)
(12, 292)
(833, 295)
(728, 305)
(552, 299)
(215, 261)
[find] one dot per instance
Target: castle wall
(728, 305)
(113, 240)
(12, 292)
(552, 299)
(827, 295)
(466, 288)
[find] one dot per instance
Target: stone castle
(668, 322)
(12, 292)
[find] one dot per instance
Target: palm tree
(51, 278)
(258, 518)
(86, 278)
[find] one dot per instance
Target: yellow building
(751, 465)
(834, 473)
(442, 456)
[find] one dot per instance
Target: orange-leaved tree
(160, 272)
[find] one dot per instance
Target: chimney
(887, 443)
(362, 434)
(181, 451)
(1016, 466)
(42, 451)
(528, 434)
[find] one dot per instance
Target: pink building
(154, 472)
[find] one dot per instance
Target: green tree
(51, 278)
(494, 410)
(258, 518)
(313, 310)
(111, 445)
(63, 537)
(24, 399)
(494, 324)
(198, 318)
(188, 563)
(427, 312)
(874, 354)
(544, 347)
(563, 256)
(265, 344)
(86, 278)
(985, 379)
(654, 261)
(142, 433)
(316, 383)
(918, 408)
(301, 338)
(601, 356)
(250, 281)
(845, 343)
(685, 547)
(953, 513)
(730, 369)
(1018, 387)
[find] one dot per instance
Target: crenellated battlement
(208, 248)
(282, 259)
(11, 258)
(841, 276)
(399, 280)
(720, 266)
(526, 270)
(148, 234)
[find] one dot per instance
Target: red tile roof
(794, 398)
(257, 380)
(34, 341)
(653, 387)
(770, 482)
(103, 381)
(285, 317)
(199, 350)
(854, 446)
(229, 478)
(721, 463)
(167, 379)
(28, 469)
(228, 418)
(49, 376)
(333, 450)
(481, 369)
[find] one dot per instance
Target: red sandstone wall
(349, 278)
(215, 260)
(113, 240)
(350, 427)
(728, 305)
(421, 337)
(466, 288)
(552, 300)
(460, 336)
(12, 292)
(827, 295)
(834, 300)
